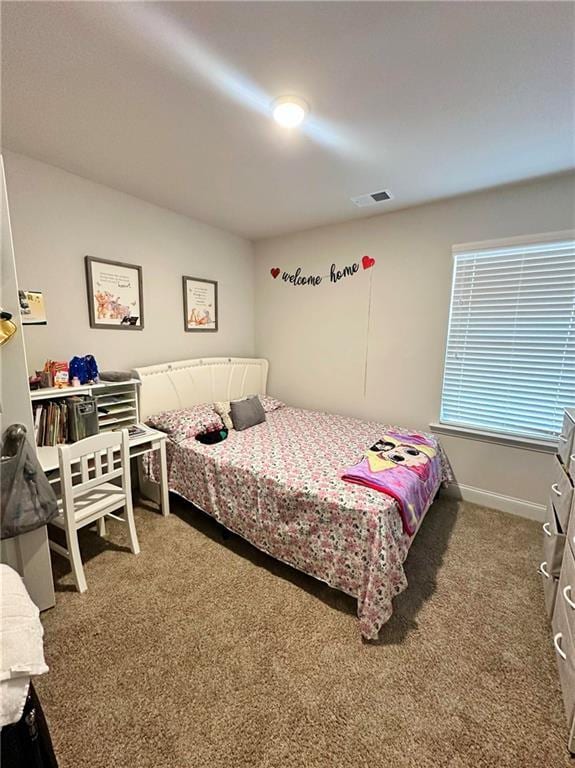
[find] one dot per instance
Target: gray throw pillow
(247, 413)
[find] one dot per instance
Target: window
(510, 359)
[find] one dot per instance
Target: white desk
(153, 440)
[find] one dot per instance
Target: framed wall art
(200, 304)
(115, 294)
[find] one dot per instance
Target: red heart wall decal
(367, 262)
(275, 272)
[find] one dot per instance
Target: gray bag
(28, 500)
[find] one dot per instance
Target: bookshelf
(116, 407)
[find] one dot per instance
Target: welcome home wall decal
(335, 275)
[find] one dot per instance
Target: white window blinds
(510, 360)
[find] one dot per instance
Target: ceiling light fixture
(289, 111)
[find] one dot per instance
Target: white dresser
(558, 566)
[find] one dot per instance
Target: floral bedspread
(279, 486)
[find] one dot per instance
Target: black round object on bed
(211, 438)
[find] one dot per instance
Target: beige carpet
(204, 652)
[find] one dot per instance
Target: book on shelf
(37, 419)
(64, 421)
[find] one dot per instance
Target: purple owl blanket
(405, 466)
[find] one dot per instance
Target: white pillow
(222, 408)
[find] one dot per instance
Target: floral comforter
(279, 486)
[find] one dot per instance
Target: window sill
(526, 443)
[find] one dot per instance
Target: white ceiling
(169, 101)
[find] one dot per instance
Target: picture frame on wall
(115, 294)
(200, 304)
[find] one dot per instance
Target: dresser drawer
(553, 542)
(549, 588)
(571, 467)
(561, 493)
(565, 656)
(566, 588)
(571, 532)
(565, 441)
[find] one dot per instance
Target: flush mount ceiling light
(289, 111)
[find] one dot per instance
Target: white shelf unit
(117, 406)
(116, 403)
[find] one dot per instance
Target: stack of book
(51, 422)
(65, 420)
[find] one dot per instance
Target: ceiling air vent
(372, 198)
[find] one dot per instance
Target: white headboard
(184, 383)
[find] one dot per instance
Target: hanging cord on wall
(367, 334)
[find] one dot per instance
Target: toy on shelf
(85, 369)
(57, 374)
(79, 371)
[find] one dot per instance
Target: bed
(278, 484)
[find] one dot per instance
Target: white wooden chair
(88, 492)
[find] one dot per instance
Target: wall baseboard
(498, 501)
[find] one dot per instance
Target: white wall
(58, 218)
(315, 337)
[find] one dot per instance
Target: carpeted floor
(204, 652)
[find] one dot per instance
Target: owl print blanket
(401, 465)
